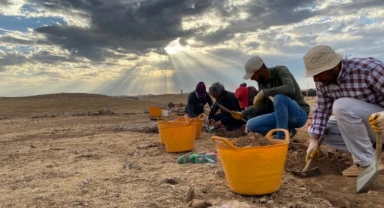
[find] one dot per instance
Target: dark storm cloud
(146, 26)
(216, 37)
(11, 59)
(133, 27)
(47, 58)
(5, 3)
(254, 45)
(351, 7)
(268, 13)
(263, 14)
(18, 41)
(50, 74)
(9, 39)
(83, 67)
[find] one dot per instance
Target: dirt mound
(329, 162)
(222, 132)
(252, 140)
(172, 105)
(68, 95)
(150, 127)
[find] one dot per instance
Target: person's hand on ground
(237, 115)
(258, 98)
(376, 120)
(312, 151)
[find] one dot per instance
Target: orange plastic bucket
(253, 170)
(182, 121)
(154, 111)
(200, 122)
(178, 137)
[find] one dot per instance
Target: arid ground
(83, 150)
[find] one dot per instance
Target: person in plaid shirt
(351, 89)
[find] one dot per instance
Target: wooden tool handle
(227, 110)
(311, 159)
(379, 145)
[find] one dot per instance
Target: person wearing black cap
(197, 100)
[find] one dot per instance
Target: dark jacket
(195, 106)
(229, 101)
(281, 81)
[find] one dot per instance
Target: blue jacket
(195, 106)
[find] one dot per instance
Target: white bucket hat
(252, 65)
(319, 59)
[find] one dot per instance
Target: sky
(138, 47)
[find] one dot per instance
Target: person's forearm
(314, 137)
(284, 90)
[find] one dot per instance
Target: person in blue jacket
(197, 99)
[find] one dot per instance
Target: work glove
(376, 120)
(312, 151)
(258, 98)
(237, 115)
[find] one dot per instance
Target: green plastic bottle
(205, 158)
(184, 158)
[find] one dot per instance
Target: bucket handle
(201, 117)
(191, 121)
(269, 134)
(181, 118)
(216, 139)
(161, 119)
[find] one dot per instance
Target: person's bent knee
(279, 98)
(341, 106)
(251, 125)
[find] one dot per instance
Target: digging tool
(228, 111)
(207, 127)
(370, 174)
(305, 173)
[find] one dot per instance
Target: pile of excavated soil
(329, 162)
(147, 127)
(252, 140)
(222, 132)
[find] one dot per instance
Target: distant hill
(81, 102)
(60, 95)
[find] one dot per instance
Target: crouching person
(229, 101)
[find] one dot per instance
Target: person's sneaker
(354, 171)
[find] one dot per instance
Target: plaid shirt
(359, 78)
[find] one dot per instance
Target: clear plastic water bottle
(203, 158)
